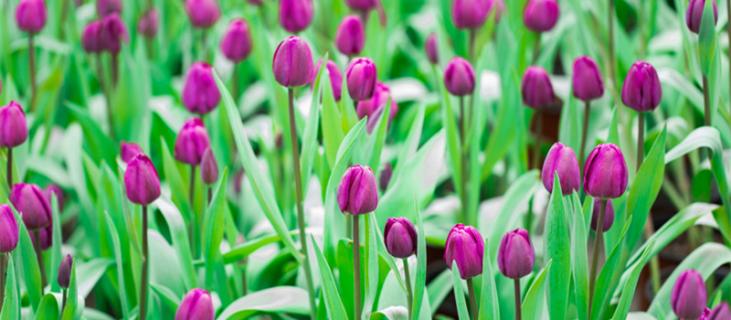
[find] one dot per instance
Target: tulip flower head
(196, 305)
(561, 159)
(32, 204)
(43, 237)
(362, 5)
(469, 14)
(31, 16)
(91, 37)
(537, 89)
(112, 34)
(141, 181)
(236, 43)
(385, 177)
(149, 24)
(336, 78)
(203, 14)
(373, 108)
(209, 167)
(295, 15)
(694, 14)
(8, 229)
(689, 297)
(541, 15)
(516, 256)
(13, 126)
(107, 7)
(587, 79)
(361, 78)
(129, 150)
(192, 142)
(432, 48)
(55, 191)
(720, 312)
(200, 92)
(466, 247)
(358, 192)
(642, 90)
(608, 215)
(400, 237)
(459, 77)
(292, 64)
(605, 172)
(350, 37)
(64, 271)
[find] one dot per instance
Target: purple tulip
(720, 312)
(562, 160)
(694, 14)
(350, 37)
(385, 177)
(466, 247)
(469, 14)
(358, 193)
(112, 33)
(256, 2)
(459, 77)
(91, 38)
(292, 64)
(107, 7)
(605, 172)
(608, 215)
(541, 15)
(688, 298)
(200, 93)
(516, 257)
(399, 235)
(56, 191)
(361, 77)
(209, 167)
(432, 49)
(129, 150)
(192, 142)
(587, 79)
(32, 204)
(31, 16)
(8, 229)
(362, 5)
(196, 305)
(149, 24)
(642, 90)
(202, 13)
(295, 15)
(64, 271)
(43, 237)
(236, 43)
(537, 89)
(336, 78)
(13, 126)
(141, 181)
(373, 107)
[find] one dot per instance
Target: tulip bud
(399, 235)
(192, 142)
(362, 5)
(466, 247)
(64, 271)
(361, 77)
(236, 43)
(516, 256)
(292, 64)
(373, 107)
(196, 305)
(541, 15)
(112, 33)
(56, 191)
(721, 312)
(202, 13)
(91, 38)
(295, 15)
(432, 49)
(148, 24)
(43, 237)
(587, 79)
(537, 89)
(605, 172)
(209, 167)
(141, 181)
(469, 14)
(13, 127)
(129, 150)
(694, 14)
(200, 93)
(358, 193)
(336, 78)
(107, 7)
(608, 215)
(350, 37)
(32, 204)
(642, 90)
(30, 15)
(688, 298)
(385, 177)
(8, 229)
(459, 77)
(562, 160)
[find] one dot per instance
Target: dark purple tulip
(209, 167)
(13, 126)
(30, 15)
(292, 64)
(466, 247)
(141, 181)
(236, 43)
(689, 296)
(516, 257)
(32, 204)
(562, 160)
(432, 48)
(720, 312)
(64, 271)
(605, 172)
(91, 38)
(608, 215)
(8, 229)
(358, 193)
(541, 15)
(202, 13)
(56, 191)
(336, 78)
(642, 90)
(43, 238)
(149, 24)
(107, 7)
(129, 150)
(112, 33)
(350, 37)
(469, 14)
(361, 77)
(537, 89)
(295, 15)
(399, 235)
(362, 5)
(373, 107)
(192, 142)
(385, 177)
(459, 77)
(587, 79)
(196, 305)
(200, 93)
(694, 14)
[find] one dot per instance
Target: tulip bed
(365, 159)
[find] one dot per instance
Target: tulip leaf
(489, 303)
(11, 303)
(459, 293)
(27, 264)
(419, 285)
(277, 300)
(56, 243)
(72, 309)
(309, 138)
(558, 251)
(179, 237)
(48, 309)
(333, 302)
(707, 39)
(119, 261)
(179, 194)
(242, 251)
(438, 289)
(630, 286)
(533, 302)
(214, 222)
(579, 237)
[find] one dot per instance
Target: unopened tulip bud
(374, 107)
(361, 77)
(358, 192)
(192, 142)
(295, 15)
(537, 89)
(31, 16)
(587, 79)
(694, 14)
(13, 126)
(516, 256)
(64, 271)
(112, 33)
(107, 7)
(562, 160)
(43, 237)
(196, 305)
(459, 77)
(336, 78)
(202, 13)
(129, 150)
(362, 5)
(209, 167)
(32, 204)
(720, 312)
(55, 191)
(642, 90)
(541, 15)
(8, 229)
(608, 215)
(200, 93)
(149, 24)
(385, 178)
(432, 49)
(292, 64)
(91, 38)
(350, 37)
(469, 14)
(400, 237)
(605, 172)
(466, 247)
(236, 43)
(689, 297)
(141, 181)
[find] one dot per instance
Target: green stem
(9, 172)
(472, 37)
(640, 139)
(463, 159)
(706, 103)
(194, 232)
(518, 311)
(409, 292)
(64, 295)
(356, 268)
(3, 275)
(145, 266)
(535, 164)
(32, 67)
(612, 58)
(595, 253)
(537, 48)
(584, 133)
(473, 298)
